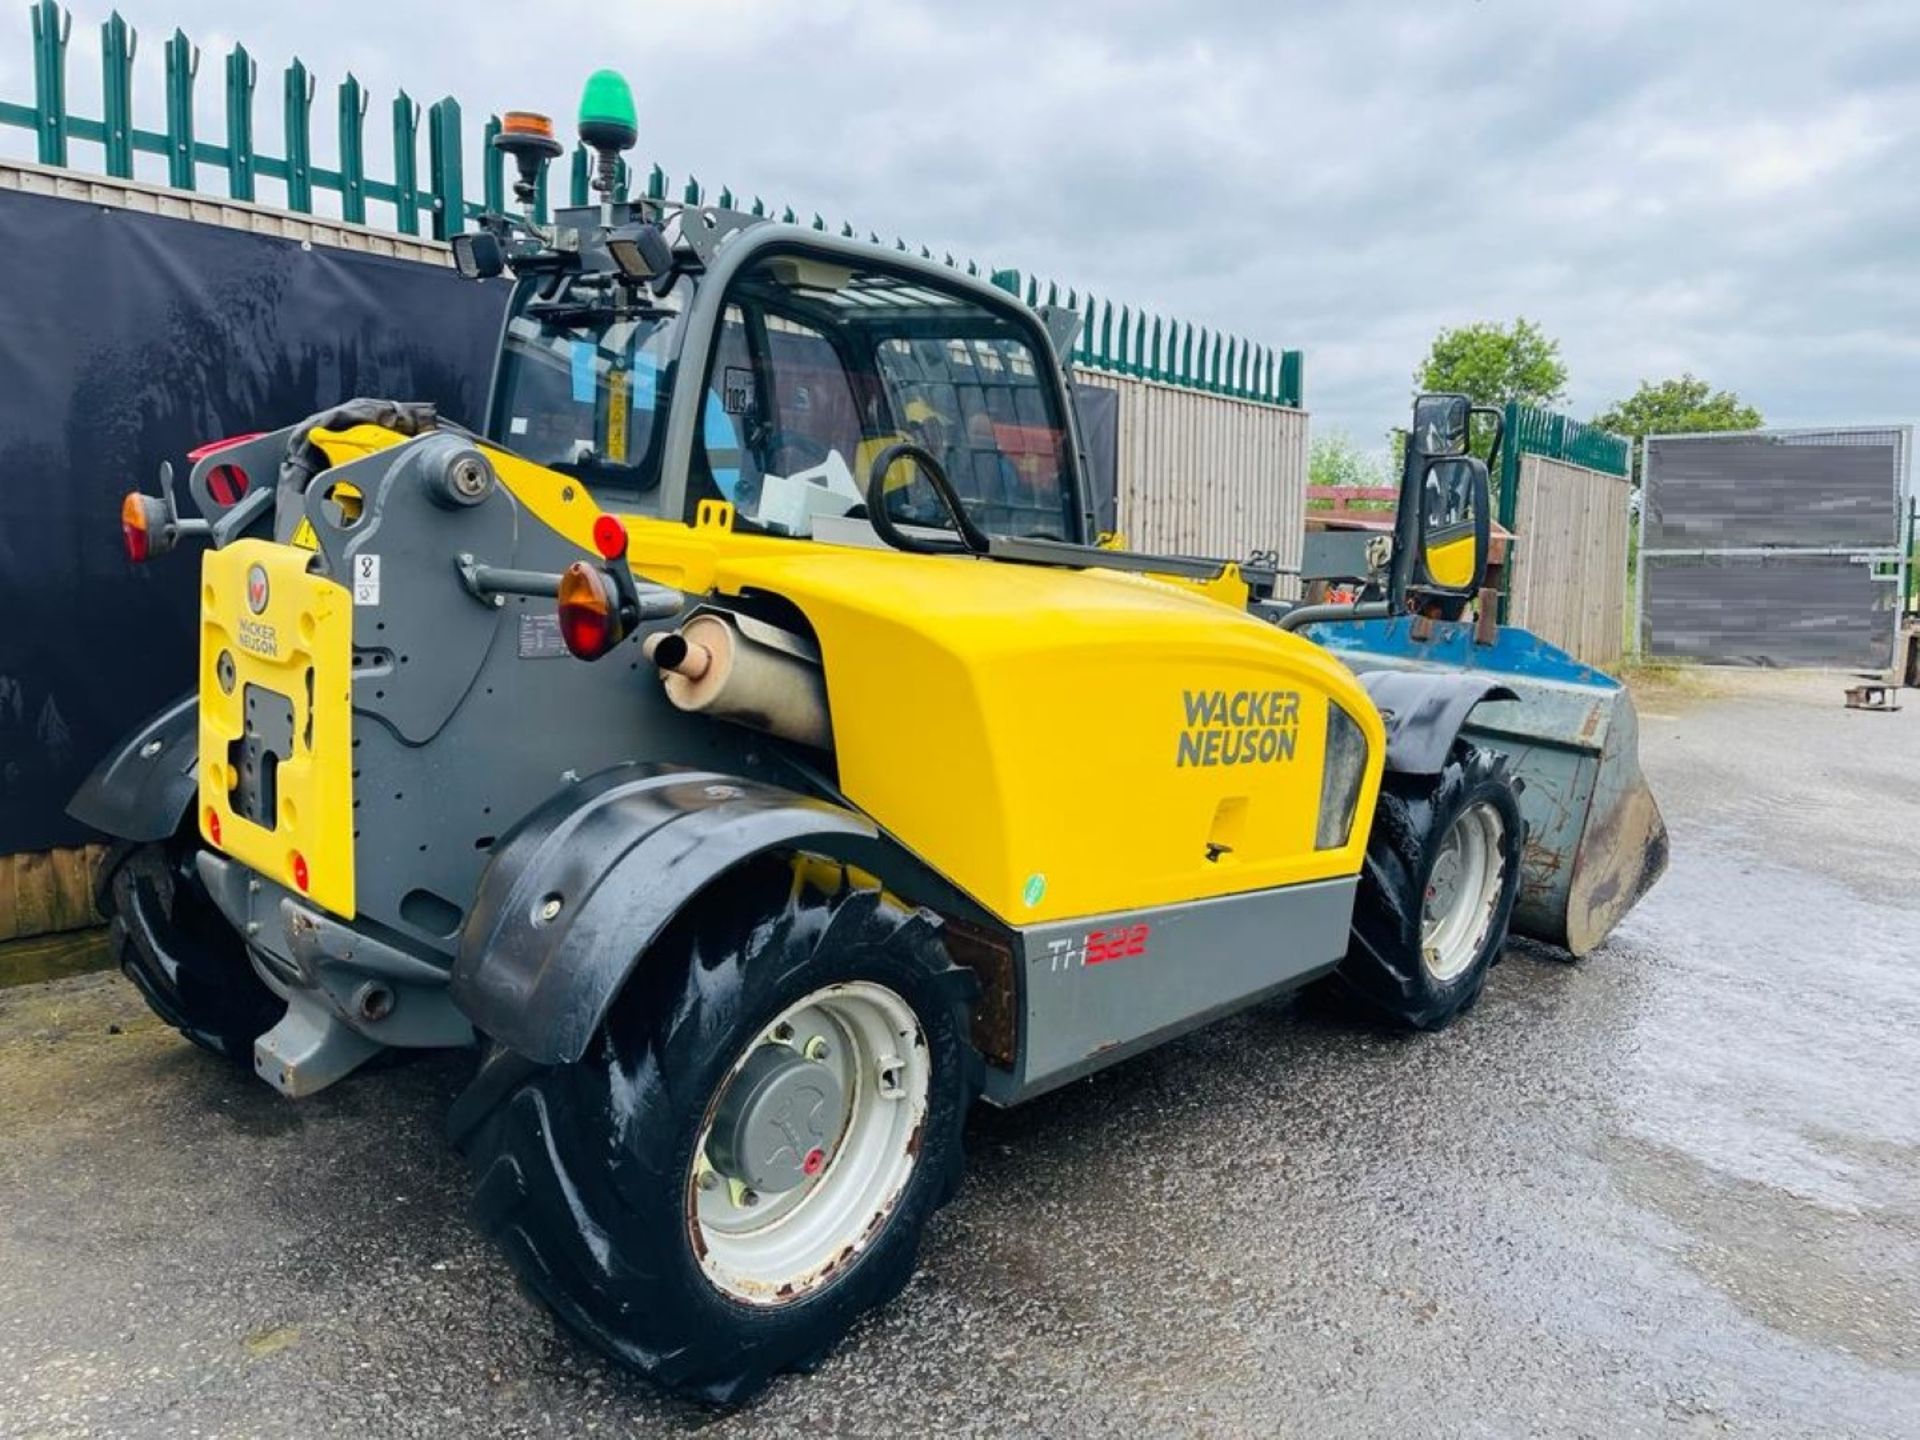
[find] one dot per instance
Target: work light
(478, 256)
(640, 251)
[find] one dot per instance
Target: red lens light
(227, 484)
(213, 825)
(133, 527)
(300, 870)
(589, 619)
(609, 537)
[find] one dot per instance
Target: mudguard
(1425, 712)
(576, 892)
(144, 787)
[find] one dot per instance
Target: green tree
(1676, 407)
(1333, 459)
(1496, 363)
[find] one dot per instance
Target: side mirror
(1455, 526)
(1440, 425)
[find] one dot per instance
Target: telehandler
(887, 786)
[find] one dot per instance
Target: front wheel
(743, 1163)
(1437, 889)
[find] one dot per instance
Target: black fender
(577, 890)
(146, 785)
(1424, 710)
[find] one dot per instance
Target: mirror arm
(1313, 614)
(489, 583)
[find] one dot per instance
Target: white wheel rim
(1463, 890)
(774, 1249)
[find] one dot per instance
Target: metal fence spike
(353, 155)
(445, 169)
(51, 27)
(406, 175)
(296, 94)
(118, 43)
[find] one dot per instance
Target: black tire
(179, 951)
(582, 1170)
(1386, 963)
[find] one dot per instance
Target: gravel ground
(1673, 1190)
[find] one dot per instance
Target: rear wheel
(1437, 890)
(180, 952)
(743, 1163)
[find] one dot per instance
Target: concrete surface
(1672, 1191)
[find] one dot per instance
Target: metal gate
(1773, 547)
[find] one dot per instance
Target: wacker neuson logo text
(1239, 727)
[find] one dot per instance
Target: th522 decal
(1097, 947)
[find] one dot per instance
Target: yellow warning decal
(303, 535)
(617, 416)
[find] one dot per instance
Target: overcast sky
(1728, 188)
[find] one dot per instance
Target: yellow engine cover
(1067, 743)
(1057, 742)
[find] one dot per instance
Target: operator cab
(820, 368)
(819, 362)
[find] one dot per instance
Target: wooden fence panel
(1570, 558)
(1208, 475)
(48, 891)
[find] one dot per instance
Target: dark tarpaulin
(1098, 410)
(129, 339)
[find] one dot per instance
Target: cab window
(583, 386)
(822, 367)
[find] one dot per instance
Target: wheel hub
(809, 1143)
(1444, 884)
(779, 1121)
(1463, 892)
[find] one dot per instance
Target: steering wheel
(807, 450)
(972, 540)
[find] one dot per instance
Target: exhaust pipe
(738, 669)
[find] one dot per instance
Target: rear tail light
(589, 611)
(141, 518)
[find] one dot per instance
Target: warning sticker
(366, 579)
(617, 416)
(303, 535)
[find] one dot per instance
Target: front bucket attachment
(1595, 839)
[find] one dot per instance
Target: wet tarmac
(1671, 1191)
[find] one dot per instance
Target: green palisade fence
(1134, 343)
(1533, 431)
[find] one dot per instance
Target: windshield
(819, 368)
(583, 389)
